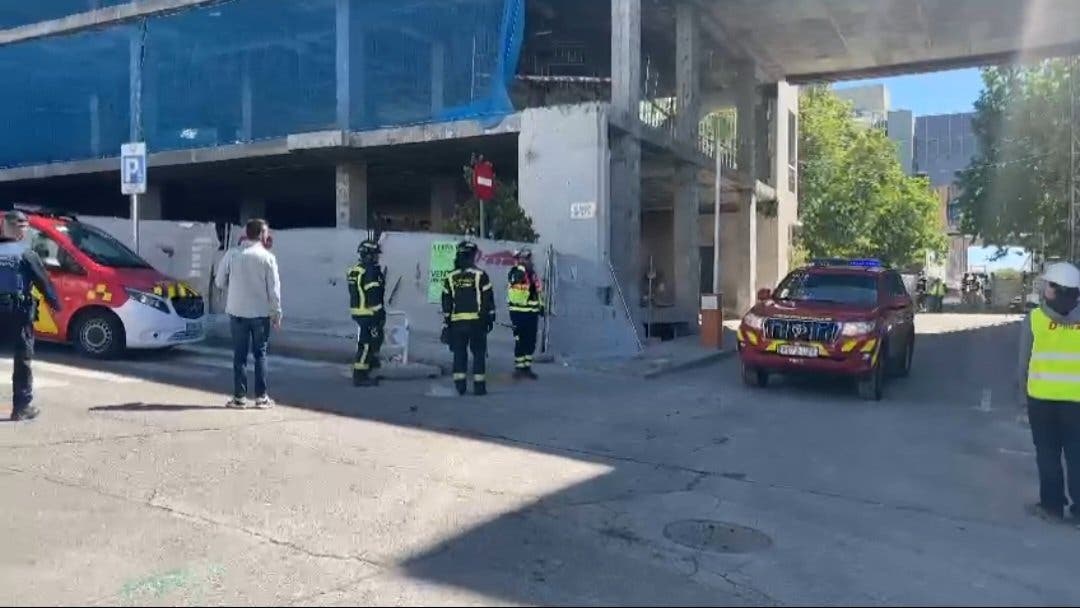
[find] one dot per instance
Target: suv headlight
(147, 299)
(754, 321)
(859, 328)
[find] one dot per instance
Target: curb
(689, 365)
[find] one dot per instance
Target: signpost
(133, 181)
(484, 186)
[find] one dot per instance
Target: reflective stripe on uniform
(460, 377)
(465, 316)
(1054, 368)
(365, 312)
(479, 378)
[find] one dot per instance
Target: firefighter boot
(480, 388)
(461, 386)
(360, 378)
(530, 374)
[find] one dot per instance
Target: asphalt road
(138, 487)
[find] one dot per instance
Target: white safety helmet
(1063, 274)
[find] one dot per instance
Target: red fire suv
(841, 317)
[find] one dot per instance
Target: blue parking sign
(133, 168)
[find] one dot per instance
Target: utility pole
(1074, 185)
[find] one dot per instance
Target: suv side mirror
(51, 263)
(764, 294)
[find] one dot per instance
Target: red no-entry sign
(484, 180)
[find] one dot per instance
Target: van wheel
(872, 386)
(754, 377)
(99, 334)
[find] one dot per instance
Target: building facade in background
(871, 104)
(944, 145)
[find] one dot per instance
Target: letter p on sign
(133, 168)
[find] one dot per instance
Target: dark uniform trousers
(466, 337)
(525, 328)
(17, 338)
(1055, 429)
(369, 341)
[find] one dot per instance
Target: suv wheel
(872, 386)
(902, 368)
(754, 377)
(99, 334)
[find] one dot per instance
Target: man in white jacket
(249, 276)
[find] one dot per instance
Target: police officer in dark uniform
(523, 299)
(367, 288)
(468, 305)
(21, 270)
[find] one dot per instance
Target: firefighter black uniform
(523, 299)
(367, 288)
(468, 305)
(21, 271)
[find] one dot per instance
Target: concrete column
(252, 207)
(438, 70)
(625, 190)
(742, 266)
(443, 198)
(688, 79)
(626, 58)
(246, 101)
(150, 204)
(687, 253)
(351, 195)
(95, 126)
(341, 63)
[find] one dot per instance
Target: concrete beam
(740, 246)
(97, 18)
(661, 140)
(687, 254)
(298, 142)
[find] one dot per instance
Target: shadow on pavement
(529, 556)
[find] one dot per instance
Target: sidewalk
(663, 358)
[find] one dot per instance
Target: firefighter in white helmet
(1050, 378)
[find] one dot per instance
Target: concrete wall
(563, 164)
(586, 318)
(182, 250)
(774, 233)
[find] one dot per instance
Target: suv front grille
(801, 330)
(189, 307)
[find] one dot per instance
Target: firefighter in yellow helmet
(468, 305)
(523, 296)
(367, 288)
(1050, 377)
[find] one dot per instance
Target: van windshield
(101, 247)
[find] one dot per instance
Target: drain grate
(717, 536)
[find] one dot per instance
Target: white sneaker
(236, 403)
(264, 403)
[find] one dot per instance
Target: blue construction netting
(236, 72)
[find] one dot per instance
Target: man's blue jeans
(249, 335)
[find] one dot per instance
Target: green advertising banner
(442, 263)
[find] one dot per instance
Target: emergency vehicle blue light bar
(857, 263)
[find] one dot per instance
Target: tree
(855, 200)
(504, 218)
(1016, 189)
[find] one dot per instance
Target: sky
(931, 93)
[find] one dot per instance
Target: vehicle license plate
(794, 350)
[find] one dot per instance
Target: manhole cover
(717, 536)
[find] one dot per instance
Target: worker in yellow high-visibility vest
(1050, 375)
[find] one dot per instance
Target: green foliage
(1016, 190)
(504, 218)
(854, 198)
